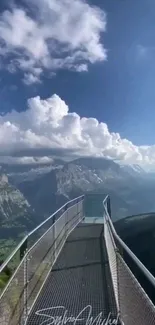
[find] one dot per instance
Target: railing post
(23, 250)
(77, 208)
(66, 221)
(25, 289)
(109, 206)
(54, 253)
(83, 208)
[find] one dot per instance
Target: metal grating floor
(80, 282)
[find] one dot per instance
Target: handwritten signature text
(59, 316)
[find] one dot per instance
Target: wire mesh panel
(38, 232)
(135, 306)
(12, 301)
(40, 260)
(44, 246)
(60, 233)
(111, 250)
(80, 209)
(46, 224)
(74, 216)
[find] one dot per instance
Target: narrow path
(80, 282)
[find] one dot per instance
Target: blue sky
(117, 90)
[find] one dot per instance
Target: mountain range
(46, 187)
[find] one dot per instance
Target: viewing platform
(75, 269)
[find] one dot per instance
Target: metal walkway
(80, 281)
(69, 271)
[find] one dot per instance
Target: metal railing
(32, 261)
(133, 303)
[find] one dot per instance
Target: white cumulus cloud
(48, 125)
(50, 35)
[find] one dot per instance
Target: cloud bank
(48, 35)
(48, 126)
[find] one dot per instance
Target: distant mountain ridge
(133, 169)
(48, 187)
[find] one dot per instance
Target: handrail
(52, 215)
(141, 266)
(2, 267)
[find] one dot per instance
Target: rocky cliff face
(12, 202)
